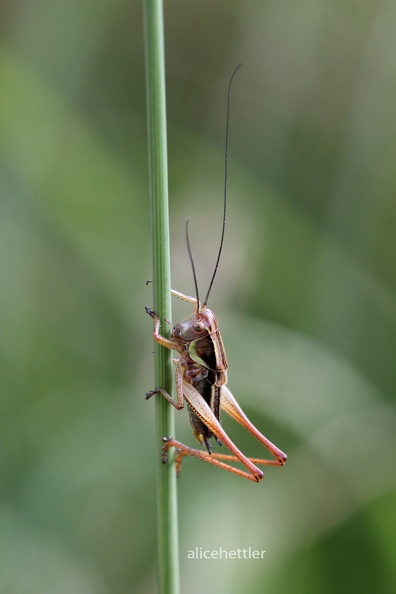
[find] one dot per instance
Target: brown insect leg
(166, 342)
(179, 404)
(184, 297)
(232, 408)
(205, 413)
(215, 459)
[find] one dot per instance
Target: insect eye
(199, 326)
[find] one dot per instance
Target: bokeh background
(305, 293)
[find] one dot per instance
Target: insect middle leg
(179, 404)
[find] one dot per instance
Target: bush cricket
(201, 375)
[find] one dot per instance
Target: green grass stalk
(168, 552)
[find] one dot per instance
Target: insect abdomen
(211, 394)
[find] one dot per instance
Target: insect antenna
(192, 265)
(225, 186)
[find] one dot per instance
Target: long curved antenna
(192, 265)
(225, 185)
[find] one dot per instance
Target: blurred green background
(305, 295)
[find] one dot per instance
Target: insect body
(201, 378)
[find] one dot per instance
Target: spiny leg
(179, 403)
(179, 295)
(184, 297)
(232, 408)
(166, 342)
(170, 344)
(205, 413)
(215, 459)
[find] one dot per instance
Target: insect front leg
(184, 297)
(166, 342)
(179, 295)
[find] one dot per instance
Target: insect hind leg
(216, 459)
(230, 406)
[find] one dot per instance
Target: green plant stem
(168, 553)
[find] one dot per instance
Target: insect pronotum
(201, 375)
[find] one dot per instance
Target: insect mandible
(201, 376)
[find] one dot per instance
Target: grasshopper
(201, 377)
